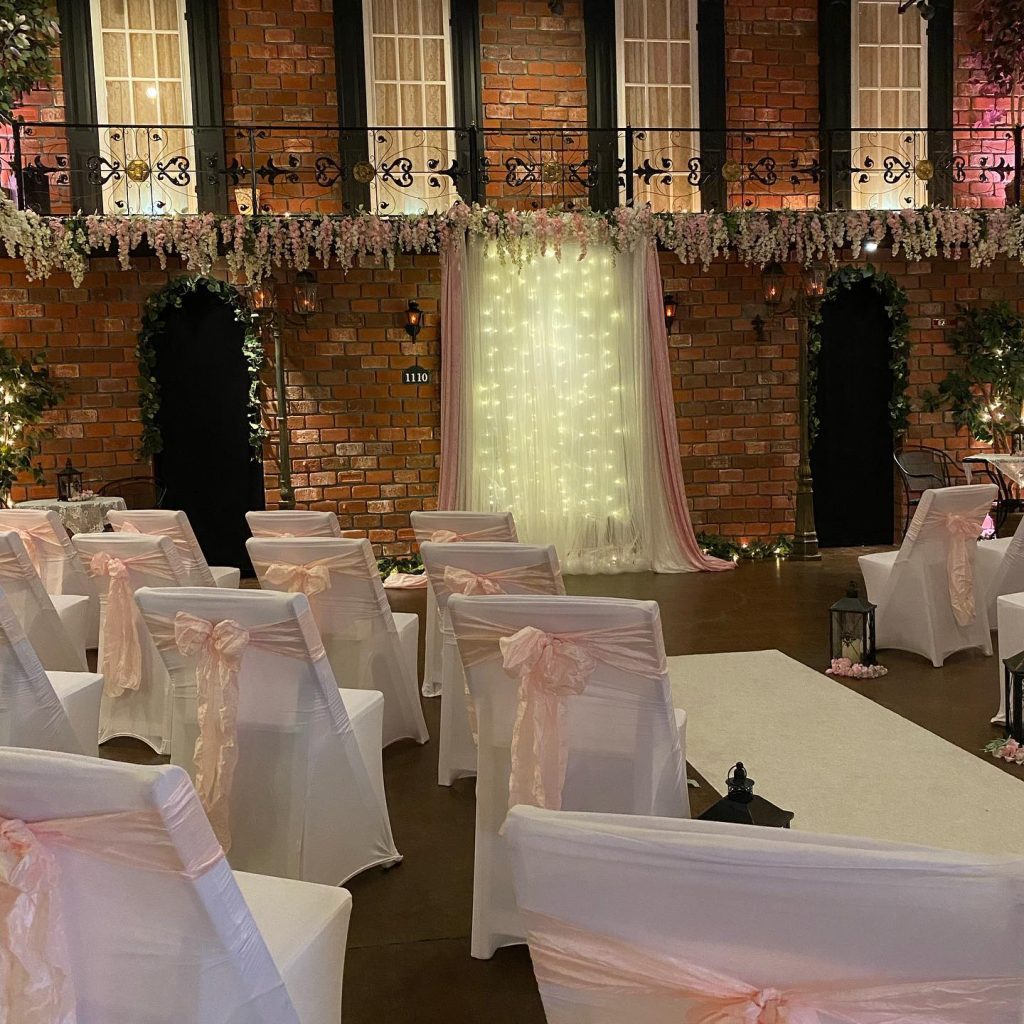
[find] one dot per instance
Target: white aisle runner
(841, 762)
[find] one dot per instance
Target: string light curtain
(551, 412)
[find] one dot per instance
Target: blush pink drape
(453, 317)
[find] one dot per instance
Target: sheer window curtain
(553, 410)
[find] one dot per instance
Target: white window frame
(920, 143)
(679, 168)
(102, 110)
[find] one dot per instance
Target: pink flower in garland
(848, 669)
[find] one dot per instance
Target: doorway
(206, 463)
(851, 457)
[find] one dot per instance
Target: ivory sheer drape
(554, 407)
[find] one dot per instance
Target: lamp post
(813, 281)
(263, 301)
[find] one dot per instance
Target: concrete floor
(408, 953)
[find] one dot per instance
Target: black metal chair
(138, 491)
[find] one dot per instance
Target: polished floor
(408, 954)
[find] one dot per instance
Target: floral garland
(895, 299)
(751, 551)
(154, 323)
(255, 245)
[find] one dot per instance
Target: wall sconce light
(671, 310)
(262, 297)
(773, 283)
(413, 319)
(814, 280)
(304, 295)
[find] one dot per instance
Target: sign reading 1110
(415, 375)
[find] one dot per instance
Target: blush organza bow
(962, 530)
(463, 581)
(219, 647)
(550, 669)
(309, 579)
(444, 537)
(122, 652)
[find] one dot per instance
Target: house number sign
(415, 375)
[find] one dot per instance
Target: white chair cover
(657, 921)
(1000, 568)
(928, 600)
(56, 645)
(574, 710)
(160, 522)
(36, 711)
(448, 528)
(137, 687)
(55, 559)
(368, 646)
(127, 911)
(293, 523)
(297, 763)
(1010, 638)
(469, 568)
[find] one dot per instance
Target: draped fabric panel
(557, 406)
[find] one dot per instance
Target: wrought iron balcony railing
(61, 168)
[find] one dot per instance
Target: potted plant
(26, 393)
(986, 395)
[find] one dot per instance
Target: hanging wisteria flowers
(254, 246)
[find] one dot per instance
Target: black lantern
(743, 807)
(671, 309)
(413, 319)
(1013, 682)
(263, 297)
(852, 628)
(773, 281)
(1017, 440)
(69, 482)
(304, 298)
(814, 280)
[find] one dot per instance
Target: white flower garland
(254, 246)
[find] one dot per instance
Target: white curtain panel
(558, 415)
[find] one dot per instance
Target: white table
(1010, 466)
(88, 516)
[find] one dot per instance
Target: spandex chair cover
(574, 710)
(53, 624)
(56, 712)
(449, 528)
(160, 522)
(656, 921)
(52, 553)
(127, 910)
(1000, 568)
(293, 523)
(928, 600)
(287, 766)
(368, 646)
(136, 686)
(476, 568)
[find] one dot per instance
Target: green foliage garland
(753, 551)
(895, 299)
(986, 394)
(28, 32)
(154, 323)
(26, 393)
(411, 564)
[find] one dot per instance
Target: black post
(628, 167)
(1018, 131)
(477, 184)
(19, 172)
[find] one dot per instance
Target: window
(146, 159)
(658, 89)
(889, 106)
(408, 93)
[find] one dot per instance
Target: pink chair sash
(311, 578)
(536, 579)
(568, 957)
(36, 984)
(219, 648)
(962, 529)
(122, 651)
(551, 667)
(13, 568)
(188, 556)
(40, 543)
(499, 533)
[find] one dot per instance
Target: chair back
(189, 950)
(439, 527)
(922, 468)
(139, 492)
(175, 525)
(290, 719)
(674, 920)
(34, 609)
(507, 568)
(49, 548)
(31, 714)
(293, 523)
(937, 521)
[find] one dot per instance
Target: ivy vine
(154, 324)
(895, 299)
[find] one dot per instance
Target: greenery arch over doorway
(895, 299)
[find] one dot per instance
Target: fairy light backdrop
(555, 419)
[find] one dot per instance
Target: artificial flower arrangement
(854, 670)
(1007, 749)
